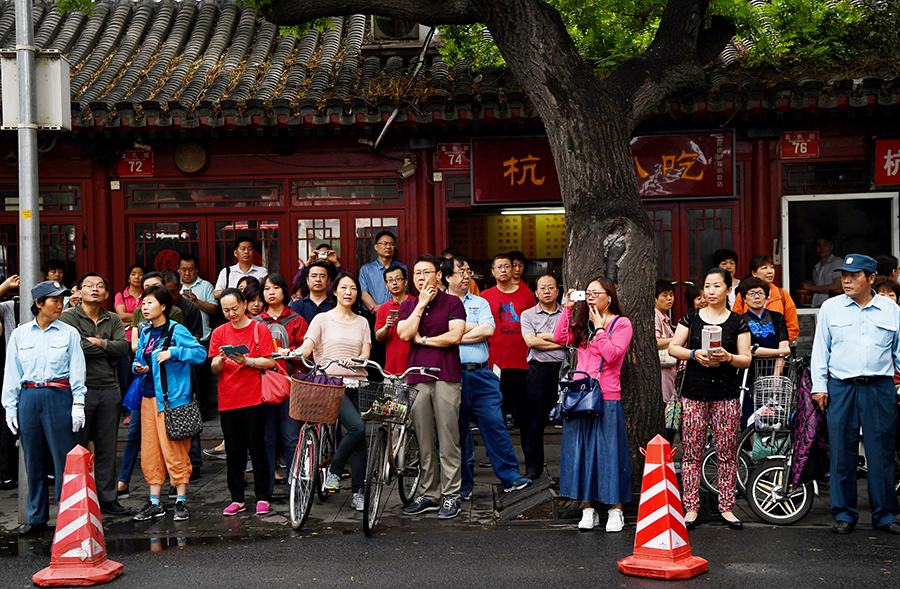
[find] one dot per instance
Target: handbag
(133, 397)
(665, 360)
(580, 397)
(276, 384)
(181, 422)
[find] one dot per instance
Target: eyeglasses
(467, 272)
(98, 286)
(502, 267)
(394, 280)
(756, 294)
(386, 243)
(594, 293)
(420, 273)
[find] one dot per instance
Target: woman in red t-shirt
(242, 412)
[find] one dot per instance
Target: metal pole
(29, 206)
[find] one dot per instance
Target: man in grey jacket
(103, 341)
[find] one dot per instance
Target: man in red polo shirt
(509, 352)
(397, 350)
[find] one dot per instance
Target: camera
(323, 254)
(578, 295)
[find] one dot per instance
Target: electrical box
(52, 89)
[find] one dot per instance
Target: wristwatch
(424, 337)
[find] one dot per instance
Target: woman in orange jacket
(779, 299)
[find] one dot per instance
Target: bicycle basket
(314, 402)
(773, 400)
(385, 401)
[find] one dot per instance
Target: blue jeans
(279, 421)
(132, 446)
(44, 412)
(481, 397)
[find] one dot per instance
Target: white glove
(77, 417)
(13, 424)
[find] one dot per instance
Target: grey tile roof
(216, 63)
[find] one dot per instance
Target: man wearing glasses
(397, 350)
(371, 275)
(434, 324)
(508, 301)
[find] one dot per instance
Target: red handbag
(276, 384)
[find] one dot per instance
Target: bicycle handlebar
(422, 370)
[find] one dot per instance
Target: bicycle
(318, 406)
(390, 403)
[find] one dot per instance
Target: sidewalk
(209, 495)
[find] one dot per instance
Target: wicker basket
(313, 402)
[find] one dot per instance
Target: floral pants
(724, 417)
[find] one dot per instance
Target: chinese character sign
(694, 164)
(799, 145)
(513, 170)
(453, 156)
(887, 162)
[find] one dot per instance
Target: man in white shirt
(231, 275)
(826, 274)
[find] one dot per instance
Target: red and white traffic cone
(661, 547)
(78, 557)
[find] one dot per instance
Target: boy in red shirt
(397, 350)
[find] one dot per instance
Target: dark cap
(859, 263)
(48, 288)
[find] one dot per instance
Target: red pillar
(100, 226)
(424, 229)
(762, 230)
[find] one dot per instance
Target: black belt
(552, 364)
(864, 380)
(474, 366)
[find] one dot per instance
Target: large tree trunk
(589, 124)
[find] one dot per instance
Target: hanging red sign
(799, 145)
(453, 156)
(887, 162)
(136, 163)
(513, 170)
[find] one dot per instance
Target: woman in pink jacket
(595, 465)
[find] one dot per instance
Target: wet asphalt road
(491, 557)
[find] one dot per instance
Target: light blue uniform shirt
(42, 355)
(478, 311)
(371, 279)
(855, 341)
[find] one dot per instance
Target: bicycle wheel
(374, 481)
(755, 448)
(326, 447)
(408, 467)
(709, 471)
(770, 501)
(303, 476)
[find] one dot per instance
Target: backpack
(278, 328)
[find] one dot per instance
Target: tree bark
(589, 124)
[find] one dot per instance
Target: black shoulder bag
(181, 422)
(579, 394)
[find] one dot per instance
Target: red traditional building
(195, 122)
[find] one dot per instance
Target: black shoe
(690, 524)
(51, 480)
(173, 492)
(195, 474)
(114, 508)
(217, 454)
(734, 525)
(32, 530)
(150, 511)
(843, 527)
(123, 493)
(181, 511)
(891, 528)
(8, 484)
(533, 476)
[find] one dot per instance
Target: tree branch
(427, 12)
(673, 60)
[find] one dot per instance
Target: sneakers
(262, 507)
(450, 508)
(234, 509)
(421, 505)
(173, 491)
(332, 483)
(616, 521)
(150, 511)
(249, 467)
(465, 494)
(181, 511)
(519, 484)
(357, 501)
(589, 519)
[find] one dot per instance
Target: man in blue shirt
(371, 275)
(480, 393)
(856, 347)
(319, 300)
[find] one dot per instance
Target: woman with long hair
(342, 334)
(288, 329)
(595, 465)
(166, 350)
(711, 394)
(241, 408)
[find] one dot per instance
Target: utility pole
(29, 205)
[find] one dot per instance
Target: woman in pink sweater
(595, 465)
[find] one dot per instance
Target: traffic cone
(661, 547)
(79, 551)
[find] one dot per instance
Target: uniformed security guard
(43, 395)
